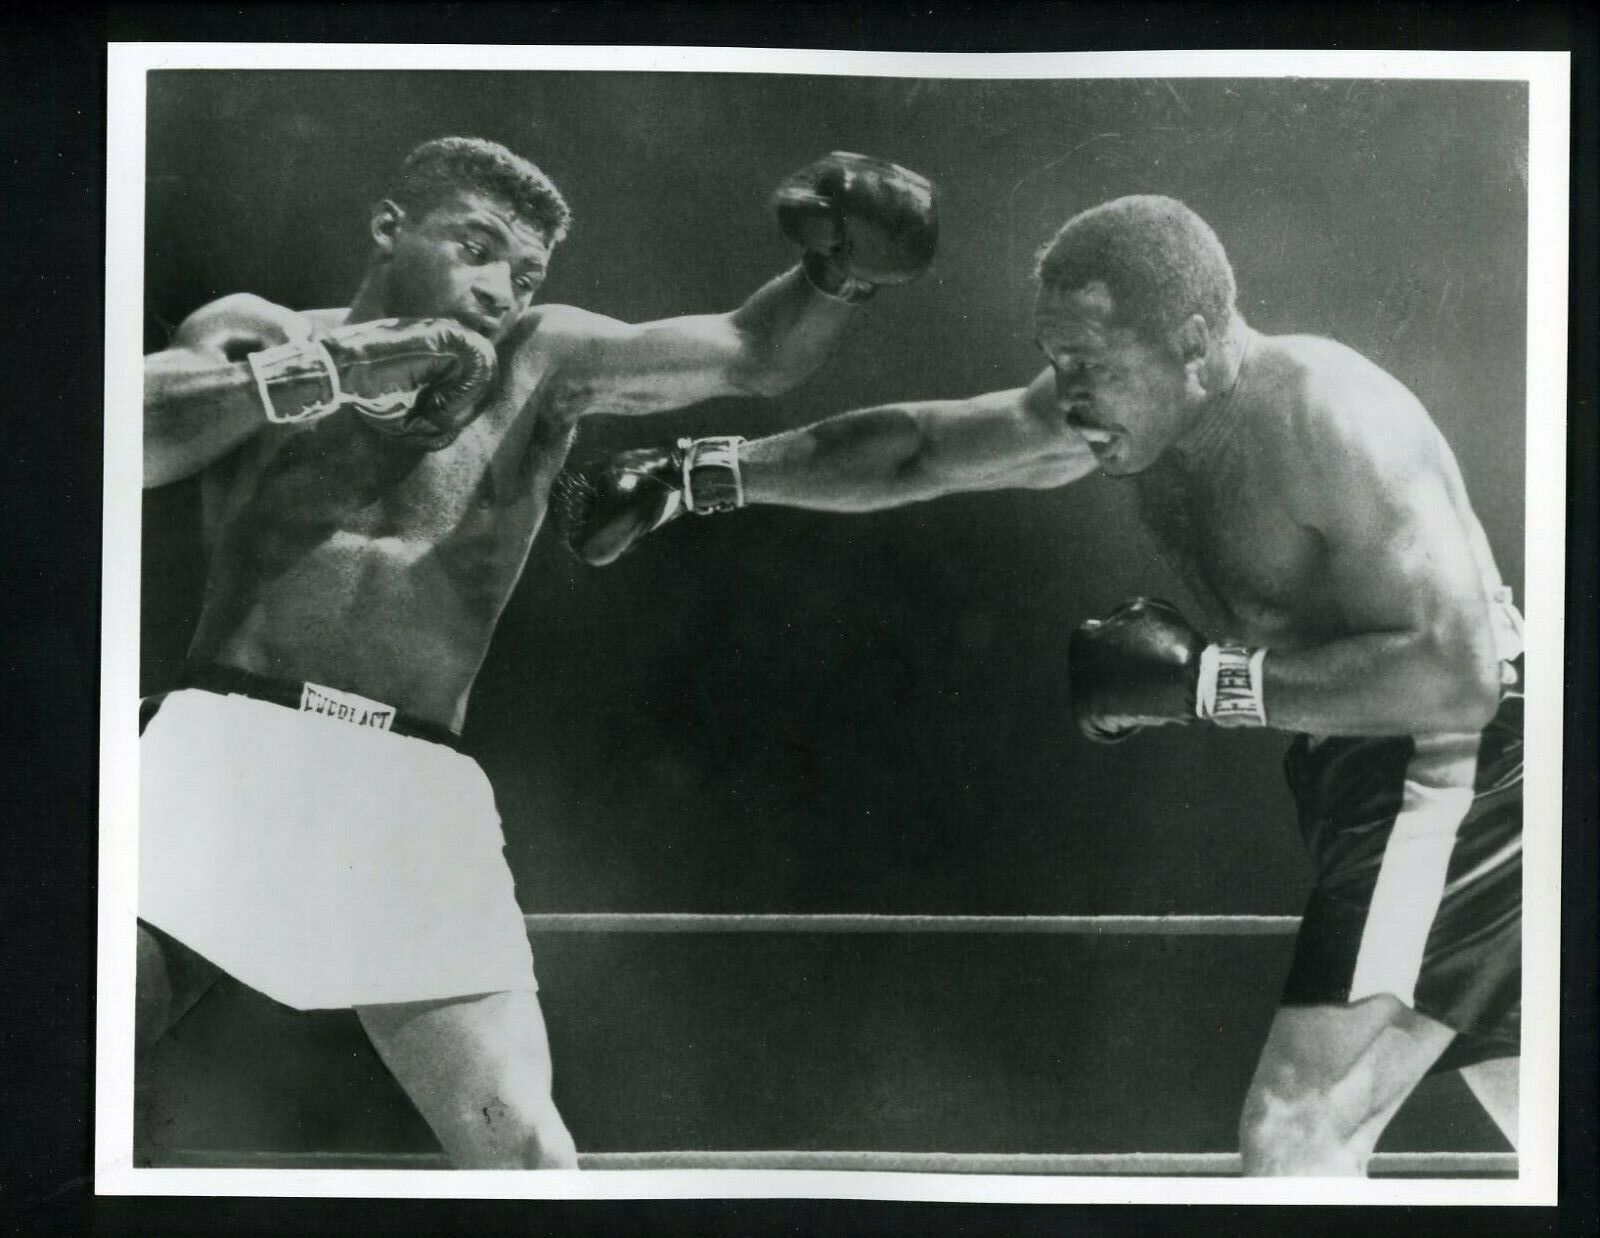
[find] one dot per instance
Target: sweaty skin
(1312, 507)
(1304, 515)
(347, 558)
(1302, 493)
(1323, 511)
(340, 556)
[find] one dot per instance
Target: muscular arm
(1402, 566)
(903, 453)
(200, 400)
(779, 335)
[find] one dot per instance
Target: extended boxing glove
(419, 380)
(861, 221)
(1146, 665)
(602, 509)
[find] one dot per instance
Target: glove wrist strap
(711, 478)
(1230, 688)
(304, 367)
(828, 280)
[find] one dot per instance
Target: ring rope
(1097, 1164)
(1100, 926)
(1060, 1164)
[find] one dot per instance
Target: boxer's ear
(387, 219)
(1192, 344)
(1192, 339)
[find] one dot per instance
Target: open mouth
(1094, 435)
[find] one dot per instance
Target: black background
(55, 71)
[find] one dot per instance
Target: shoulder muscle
(1365, 440)
(239, 324)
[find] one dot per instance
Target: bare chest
(1231, 537)
(327, 489)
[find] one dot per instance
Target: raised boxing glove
(862, 222)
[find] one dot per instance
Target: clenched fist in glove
(603, 508)
(1146, 665)
(420, 379)
(862, 222)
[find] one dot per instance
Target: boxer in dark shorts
(1386, 853)
(1323, 530)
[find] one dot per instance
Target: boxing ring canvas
(826, 894)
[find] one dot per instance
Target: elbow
(158, 469)
(768, 365)
(167, 461)
(763, 384)
(1478, 700)
(872, 459)
(1469, 679)
(910, 469)
(763, 374)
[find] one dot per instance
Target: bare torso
(346, 558)
(1236, 530)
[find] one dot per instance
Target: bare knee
(500, 1135)
(543, 1141)
(478, 1069)
(1329, 1080)
(1289, 1128)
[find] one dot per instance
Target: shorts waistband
(292, 693)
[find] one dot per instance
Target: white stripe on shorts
(1416, 859)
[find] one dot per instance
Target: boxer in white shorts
(372, 479)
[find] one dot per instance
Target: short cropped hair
(1161, 261)
(436, 169)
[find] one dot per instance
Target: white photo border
(1547, 75)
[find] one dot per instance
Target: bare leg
(1495, 1085)
(478, 1069)
(1329, 1080)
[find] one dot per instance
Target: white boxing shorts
(324, 864)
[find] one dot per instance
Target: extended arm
(861, 223)
(905, 453)
(781, 333)
(858, 461)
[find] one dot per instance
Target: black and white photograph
(716, 623)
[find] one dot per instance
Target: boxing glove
(861, 221)
(602, 509)
(419, 380)
(1146, 665)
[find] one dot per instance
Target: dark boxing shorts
(1417, 843)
